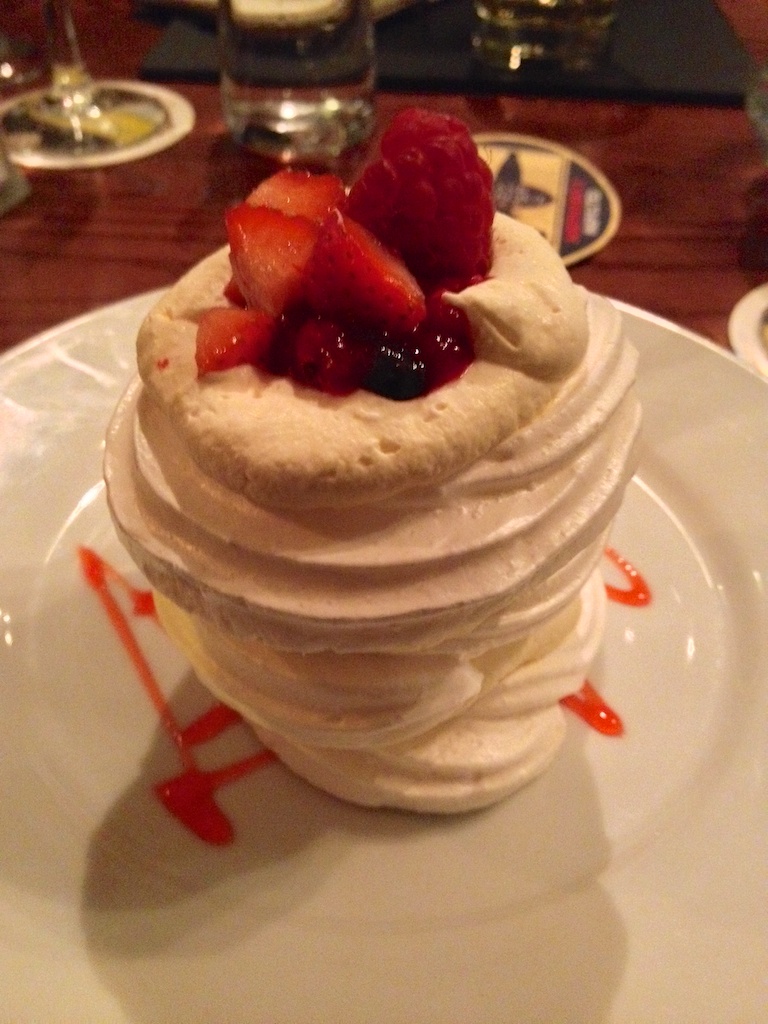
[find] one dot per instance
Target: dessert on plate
(369, 465)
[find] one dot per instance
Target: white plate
(627, 884)
(748, 328)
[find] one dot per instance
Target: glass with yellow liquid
(572, 34)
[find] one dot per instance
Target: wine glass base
(125, 121)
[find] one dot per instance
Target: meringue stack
(404, 643)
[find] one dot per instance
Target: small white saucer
(748, 328)
(180, 119)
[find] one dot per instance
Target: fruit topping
(428, 197)
(269, 251)
(397, 372)
(351, 275)
(444, 339)
(325, 357)
(231, 337)
(300, 193)
(233, 294)
(330, 289)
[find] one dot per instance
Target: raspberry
(429, 198)
(411, 128)
(325, 358)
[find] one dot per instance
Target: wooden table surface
(692, 180)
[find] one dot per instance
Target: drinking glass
(297, 77)
(75, 120)
(513, 34)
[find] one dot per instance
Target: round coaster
(156, 118)
(748, 328)
(553, 189)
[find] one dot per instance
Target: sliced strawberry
(300, 193)
(268, 252)
(233, 294)
(232, 337)
(352, 278)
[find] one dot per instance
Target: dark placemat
(679, 51)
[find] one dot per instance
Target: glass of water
(297, 76)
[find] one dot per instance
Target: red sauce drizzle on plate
(590, 706)
(587, 702)
(190, 795)
(637, 594)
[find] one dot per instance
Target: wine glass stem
(71, 84)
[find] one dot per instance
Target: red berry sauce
(190, 795)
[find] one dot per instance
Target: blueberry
(396, 373)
